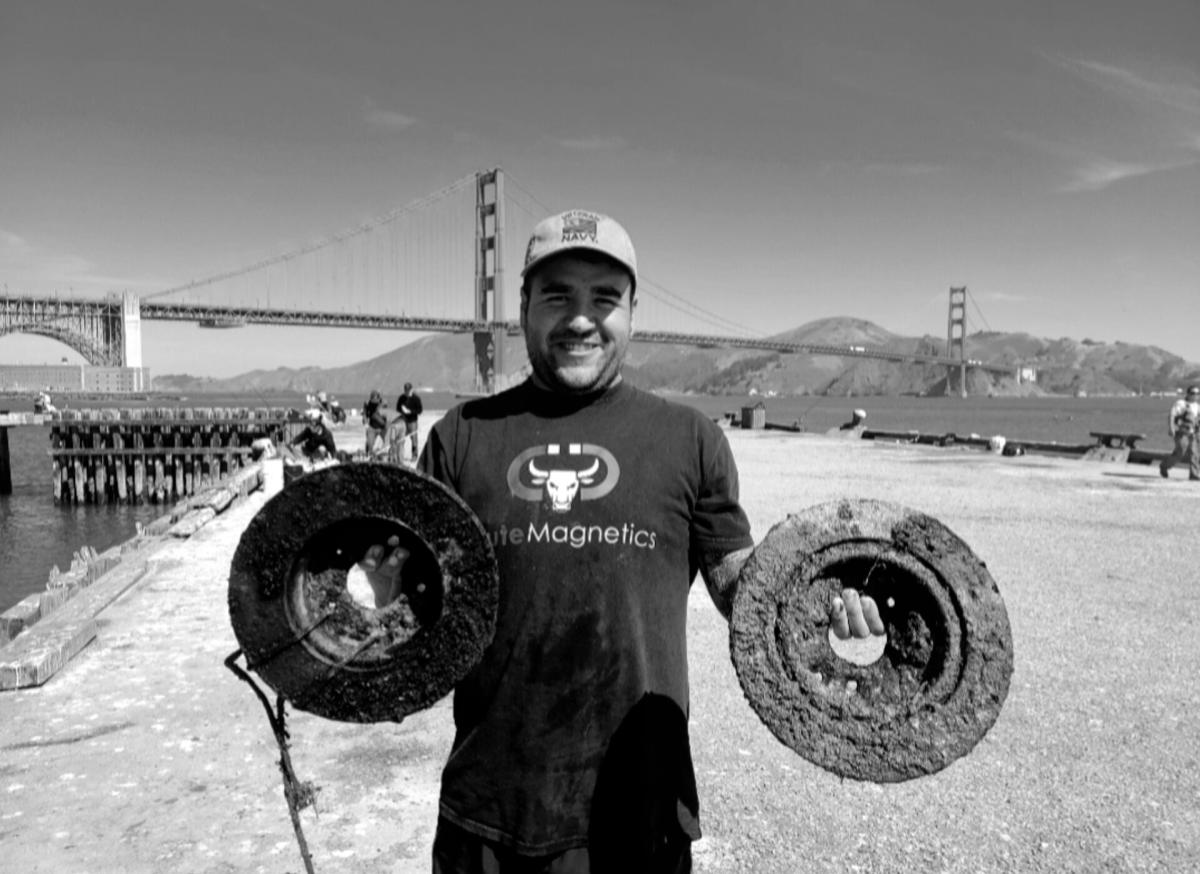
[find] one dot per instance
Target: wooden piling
(5, 465)
(158, 455)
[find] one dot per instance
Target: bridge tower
(131, 330)
(489, 279)
(956, 333)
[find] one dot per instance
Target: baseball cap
(580, 229)
(1193, 389)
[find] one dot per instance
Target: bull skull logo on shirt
(584, 472)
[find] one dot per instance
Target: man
(602, 501)
(410, 408)
(316, 440)
(1183, 422)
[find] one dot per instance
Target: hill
(1064, 366)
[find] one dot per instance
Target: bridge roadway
(228, 317)
(234, 317)
(91, 326)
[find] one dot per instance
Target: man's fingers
(372, 557)
(854, 613)
(870, 612)
(837, 619)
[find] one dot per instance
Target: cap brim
(595, 250)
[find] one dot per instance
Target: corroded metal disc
(944, 672)
(328, 649)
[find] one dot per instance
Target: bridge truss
(94, 328)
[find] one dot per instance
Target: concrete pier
(145, 754)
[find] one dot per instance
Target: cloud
(1182, 96)
(594, 144)
(884, 168)
(1090, 171)
(1100, 173)
(1004, 297)
(386, 119)
(1164, 134)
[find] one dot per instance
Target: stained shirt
(599, 509)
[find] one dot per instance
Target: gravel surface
(145, 754)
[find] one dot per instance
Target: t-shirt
(599, 509)
(1185, 417)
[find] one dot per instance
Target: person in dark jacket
(409, 406)
(375, 419)
(316, 440)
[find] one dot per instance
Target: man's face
(577, 315)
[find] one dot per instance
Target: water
(36, 534)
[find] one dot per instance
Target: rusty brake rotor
(944, 672)
(330, 652)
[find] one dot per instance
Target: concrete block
(18, 617)
(45, 648)
(44, 654)
(192, 522)
(220, 500)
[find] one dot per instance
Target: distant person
(330, 406)
(43, 403)
(410, 408)
(316, 440)
(376, 422)
(857, 419)
(1183, 422)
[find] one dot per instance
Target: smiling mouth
(576, 347)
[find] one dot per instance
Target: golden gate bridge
(443, 263)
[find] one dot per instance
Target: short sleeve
(719, 524)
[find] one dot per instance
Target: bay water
(36, 534)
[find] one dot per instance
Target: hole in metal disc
(860, 651)
(327, 582)
(901, 595)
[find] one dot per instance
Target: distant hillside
(1065, 366)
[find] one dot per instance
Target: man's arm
(720, 573)
(851, 615)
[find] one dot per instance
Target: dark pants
(1187, 447)
(459, 852)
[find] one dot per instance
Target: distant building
(1026, 373)
(73, 378)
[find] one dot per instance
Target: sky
(776, 162)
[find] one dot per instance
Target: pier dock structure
(156, 455)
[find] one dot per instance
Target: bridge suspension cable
(359, 267)
(647, 287)
(975, 304)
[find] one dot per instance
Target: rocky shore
(146, 754)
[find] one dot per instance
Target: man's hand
(382, 565)
(854, 615)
